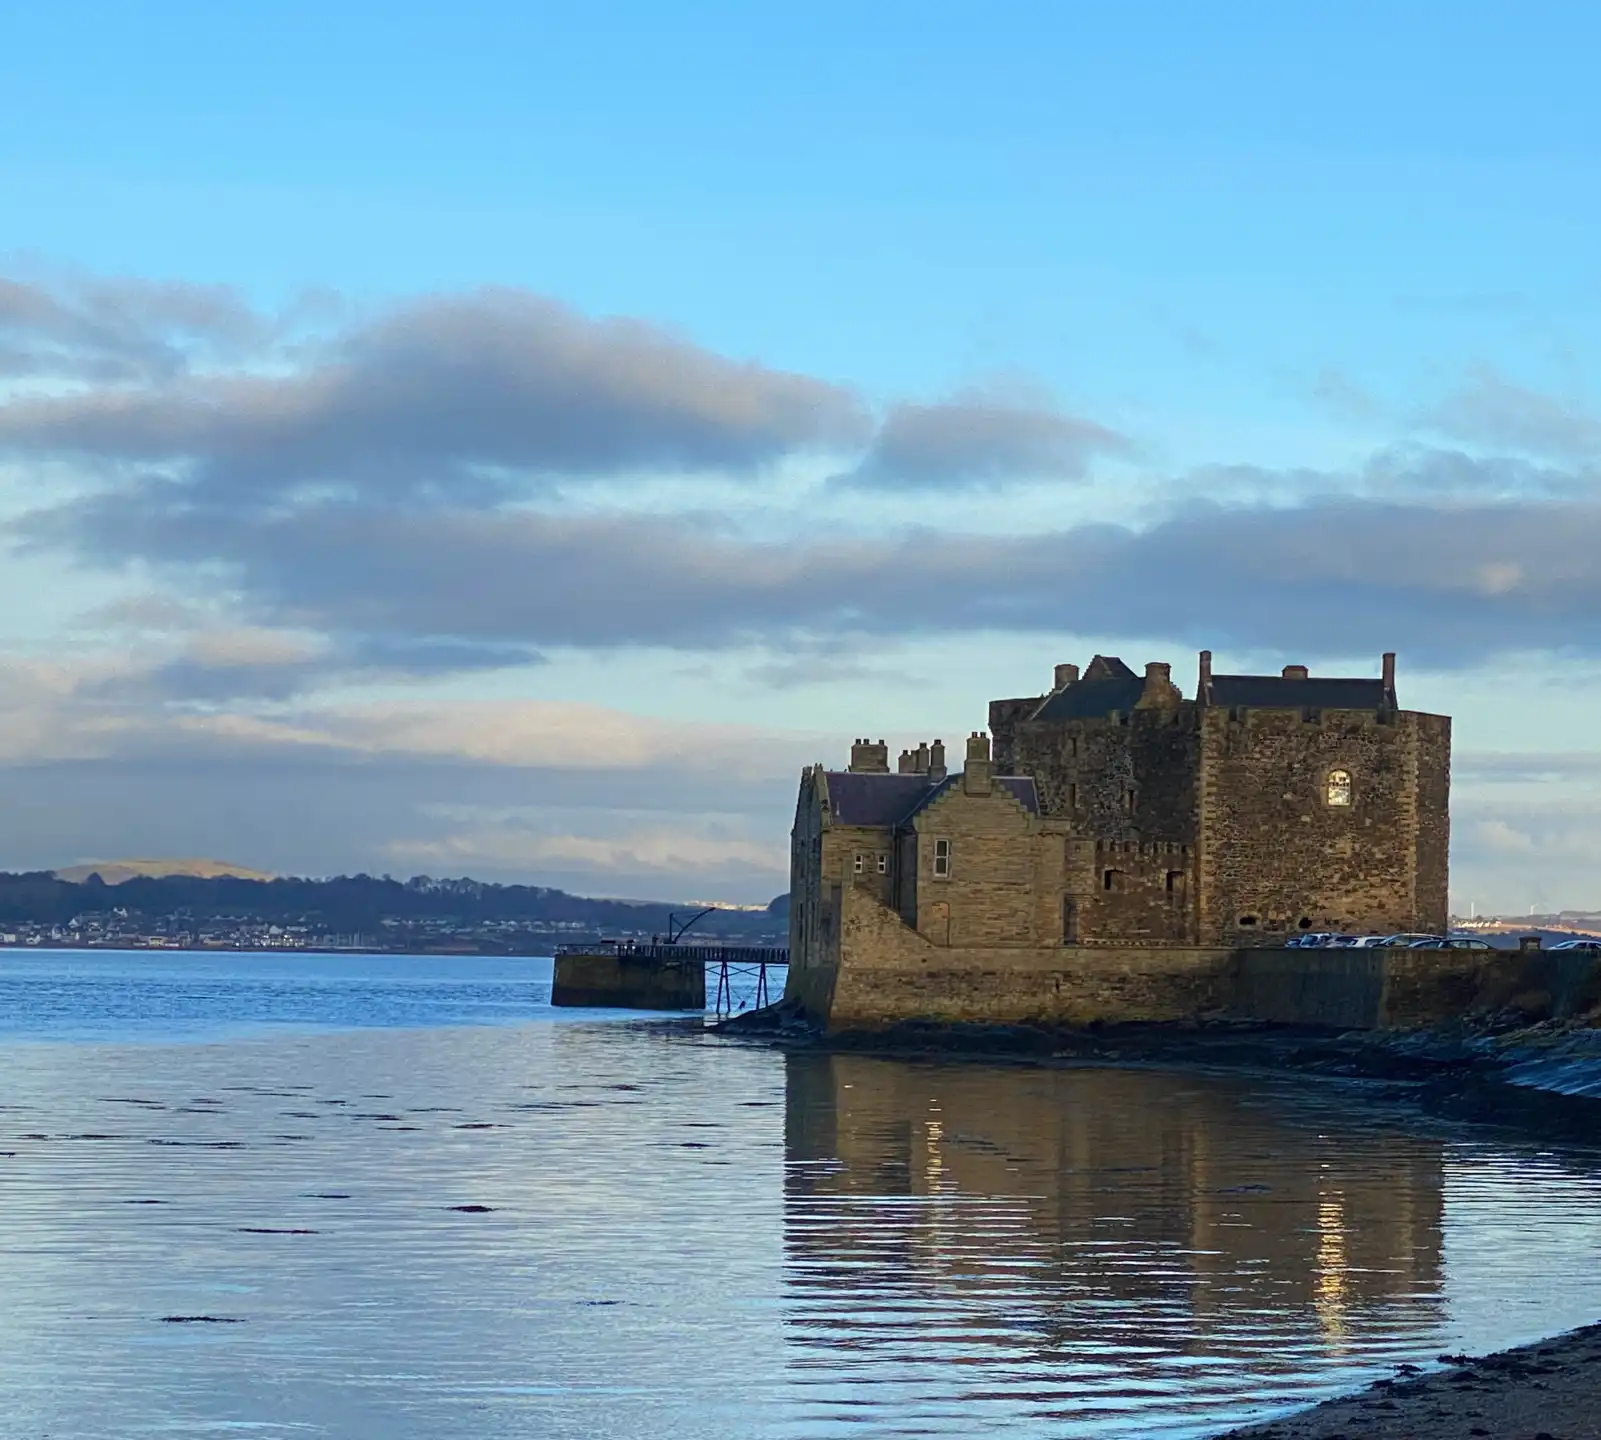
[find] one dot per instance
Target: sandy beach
(1550, 1390)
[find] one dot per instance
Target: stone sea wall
(877, 973)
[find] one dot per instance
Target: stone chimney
(921, 762)
(1160, 693)
(978, 772)
(869, 757)
(1203, 685)
(1066, 675)
(1296, 672)
(1389, 679)
(907, 764)
(936, 761)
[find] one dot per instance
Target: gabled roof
(885, 801)
(1279, 692)
(1107, 685)
(857, 798)
(1019, 787)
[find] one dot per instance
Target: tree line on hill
(348, 903)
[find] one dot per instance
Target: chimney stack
(1203, 687)
(1066, 675)
(869, 757)
(1389, 677)
(1160, 693)
(936, 761)
(907, 764)
(977, 773)
(1296, 672)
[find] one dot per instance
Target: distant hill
(117, 872)
(346, 904)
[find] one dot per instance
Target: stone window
(1247, 920)
(1337, 790)
(1175, 881)
(1072, 797)
(1112, 880)
(861, 863)
(942, 859)
(883, 864)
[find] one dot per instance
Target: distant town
(422, 915)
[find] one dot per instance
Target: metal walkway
(730, 962)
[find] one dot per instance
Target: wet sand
(1550, 1390)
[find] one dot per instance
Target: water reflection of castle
(1078, 1219)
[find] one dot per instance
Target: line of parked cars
(1325, 941)
(1405, 940)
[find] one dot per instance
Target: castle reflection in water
(1123, 1233)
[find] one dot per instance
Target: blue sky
(1027, 330)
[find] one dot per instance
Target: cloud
(640, 854)
(475, 393)
(976, 440)
(1505, 767)
(1342, 397)
(1500, 838)
(116, 331)
(1450, 583)
(1491, 410)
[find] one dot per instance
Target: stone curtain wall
(881, 973)
(889, 973)
(1130, 893)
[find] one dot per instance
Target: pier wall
(877, 972)
(628, 982)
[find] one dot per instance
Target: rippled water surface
(593, 1225)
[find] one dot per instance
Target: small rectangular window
(942, 858)
(861, 862)
(1072, 797)
(883, 864)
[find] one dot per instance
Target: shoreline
(1547, 1390)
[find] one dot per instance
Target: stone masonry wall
(1005, 881)
(889, 973)
(1433, 820)
(1133, 893)
(881, 973)
(1275, 857)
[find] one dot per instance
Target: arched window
(1338, 791)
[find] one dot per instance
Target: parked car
(1406, 939)
(1367, 942)
(1590, 947)
(1311, 940)
(1451, 942)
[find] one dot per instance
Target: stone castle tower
(1267, 805)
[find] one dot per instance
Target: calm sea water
(403, 1198)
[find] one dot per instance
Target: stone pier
(629, 981)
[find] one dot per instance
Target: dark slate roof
(889, 800)
(867, 799)
(1276, 692)
(1107, 685)
(1019, 787)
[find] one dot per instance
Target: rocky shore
(1550, 1390)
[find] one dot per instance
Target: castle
(1112, 814)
